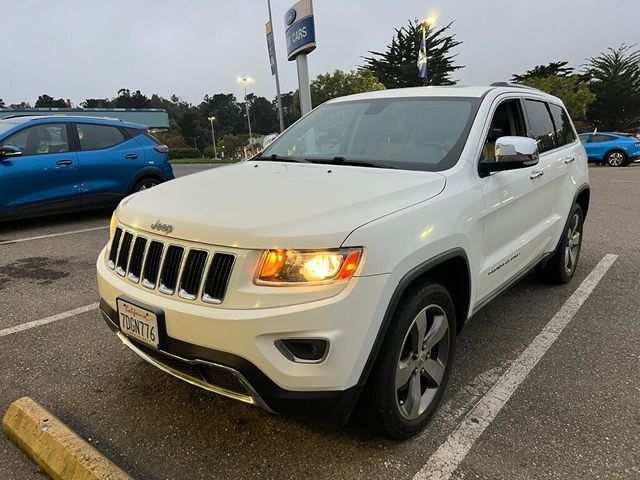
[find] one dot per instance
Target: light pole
(213, 135)
(244, 81)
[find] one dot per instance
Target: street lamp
(244, 81)
(213, 135)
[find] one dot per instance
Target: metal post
(213, 135)
(246, 104)
(303, 83)
(278, 95)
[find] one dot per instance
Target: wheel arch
(451, 270)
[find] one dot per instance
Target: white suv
(336, 268)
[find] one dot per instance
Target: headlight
(286, 267)
(113, 225)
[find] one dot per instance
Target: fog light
(304, 350)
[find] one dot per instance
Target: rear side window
(540, 124)
(97, 137)
(584, 138)
(602, 138)
(564, 132)
(41, 139)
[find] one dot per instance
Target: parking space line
(44, 321)
(18, 240)
(626, 181)
(444, 462)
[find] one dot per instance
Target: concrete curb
(60, 452)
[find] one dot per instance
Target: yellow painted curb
(56, 448)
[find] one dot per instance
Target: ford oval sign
(291, 16)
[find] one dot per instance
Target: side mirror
(9, 151)
(511, 153)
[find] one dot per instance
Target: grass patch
(219, 161)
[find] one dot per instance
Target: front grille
(214, 375)
(173, 269)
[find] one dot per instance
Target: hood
(262, 204)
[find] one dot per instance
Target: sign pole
(301, 40)
(303, 83)
(277, 73)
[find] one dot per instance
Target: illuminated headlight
(113, 225)
(291, 267)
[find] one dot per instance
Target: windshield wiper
(344, 161)
(278, 158)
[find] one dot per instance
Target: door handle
(131, 156)
(569, 160)
(64, 163)
(535, 174)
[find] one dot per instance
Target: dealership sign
(300, 29)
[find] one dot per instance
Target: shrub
(209, 152)
(176, 153)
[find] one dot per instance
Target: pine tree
(558, 69)
(615, 80)
(396, 67)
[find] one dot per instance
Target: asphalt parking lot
(576, 415)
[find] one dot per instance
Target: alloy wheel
(147, 185)
(572, 248)
(422, 361)
(615, 159)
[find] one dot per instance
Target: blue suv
(59, 164)
(616, 149)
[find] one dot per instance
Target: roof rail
(22, 115)
(511, 84)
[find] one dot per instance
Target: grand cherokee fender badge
(162, 227)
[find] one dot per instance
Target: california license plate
(138, 322)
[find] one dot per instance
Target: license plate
(139, 323)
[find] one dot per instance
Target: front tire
(562, 266)
(616, 159)
(413, 367)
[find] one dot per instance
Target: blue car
(616, 149)
(54, 164)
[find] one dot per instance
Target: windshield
(5, 126)
(408, 133)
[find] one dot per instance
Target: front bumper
(232, 352)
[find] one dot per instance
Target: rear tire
(413, 367)
(616, 159)
(145, 183)
(562, 265)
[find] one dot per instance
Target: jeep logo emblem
(162, 227)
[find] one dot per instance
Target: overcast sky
(88, 48)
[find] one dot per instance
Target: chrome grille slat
(115, 244)
(190, 273)
(171, 269)
(135, 262)
(123, 254)
(215, 286)
(152, 264)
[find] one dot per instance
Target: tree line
(603, 93)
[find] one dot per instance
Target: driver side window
(41, 139)
(507, 120)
